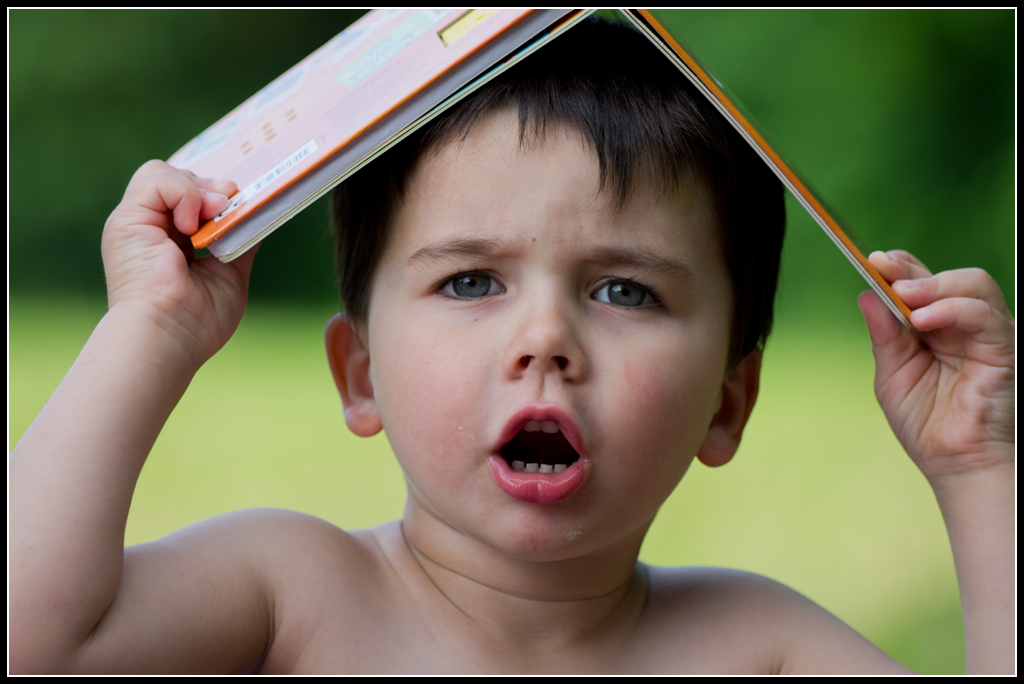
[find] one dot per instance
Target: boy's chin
(533, 533)
(573, 541)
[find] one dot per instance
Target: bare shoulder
(266, 547)
(333, 594)
(275, 540)
(325, 588)
(704, 619)
(230, 594)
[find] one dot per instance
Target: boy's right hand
(147, 257)
(78, 600)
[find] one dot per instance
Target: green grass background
(904, 120)
(820, 495)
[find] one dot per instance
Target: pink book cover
(330, 98)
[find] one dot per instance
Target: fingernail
(212, 195)
(892, 258)
(907, 284)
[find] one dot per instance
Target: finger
(972, 283)
(904, 255)
(217, 185)
(968, 315)
(143, 172)
(167, 190)
(244, 263)
(241, 267)
(221, 187)
(891, 343)
(184, 244)
(898, 265)
(213, 204)
(154, 166)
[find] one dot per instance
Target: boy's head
(650, 130)
(559, 288)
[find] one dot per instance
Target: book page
(331, 97)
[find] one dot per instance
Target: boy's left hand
(951, 401)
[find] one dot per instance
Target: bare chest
(380, 638)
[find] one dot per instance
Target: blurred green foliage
(904, 120)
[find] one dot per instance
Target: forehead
(543, 192)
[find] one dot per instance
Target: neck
(525, 600)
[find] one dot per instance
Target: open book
(386, 75)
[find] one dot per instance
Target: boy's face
(510, 291)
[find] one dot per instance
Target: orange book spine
(780, 164)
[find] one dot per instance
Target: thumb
(231, 278)
(891, 343)
(244, 262)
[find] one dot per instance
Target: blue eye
(470, 286)
(624, 293)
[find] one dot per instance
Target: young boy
(556, 296)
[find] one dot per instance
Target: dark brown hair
(650, 129)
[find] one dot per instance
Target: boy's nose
(544, 343)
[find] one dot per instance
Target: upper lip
(541, 412)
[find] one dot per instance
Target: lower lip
(542, 488)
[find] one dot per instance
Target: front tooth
(518, 465)
(532, 426)
(559, 467)
(546, 468)
(532, 467)
(549, 426)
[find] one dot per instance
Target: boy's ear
(739, 392)
(349, 358)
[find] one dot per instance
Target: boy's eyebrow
(633, 256)
(451, 250)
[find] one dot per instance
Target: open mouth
(539, 447)
(541, 457)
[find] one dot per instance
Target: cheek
(665, 406)
(654, 427)
(428, 392)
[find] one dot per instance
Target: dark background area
(904, 120)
